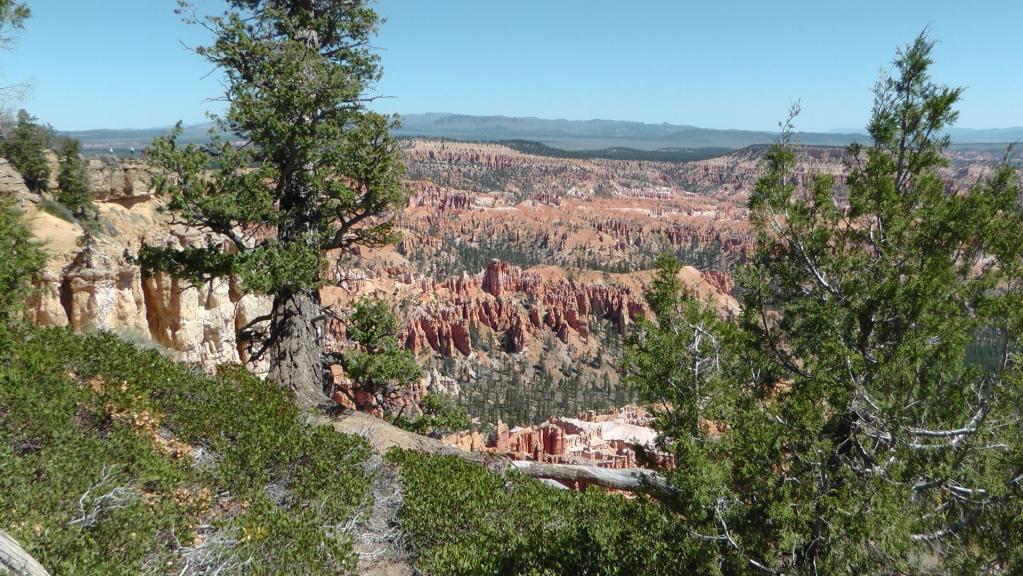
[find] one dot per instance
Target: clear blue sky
(718, 64)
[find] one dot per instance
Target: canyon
(516, 281)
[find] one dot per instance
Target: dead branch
(102, 498)
(384, 436)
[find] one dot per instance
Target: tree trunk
(628, 479)
(383, 436)
(14, 559)
(296, 353)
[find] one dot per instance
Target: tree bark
(627, 479)
(296, 349)
(14, 558)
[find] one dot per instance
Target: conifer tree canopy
(24, 146)
(299, 166)
(73, 184)
(861, 415)
(20, 266)
(12, 17)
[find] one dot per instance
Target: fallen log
(638, 480)
(14, 559)
(384, 436)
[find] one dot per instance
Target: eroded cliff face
(519, 305)
(534, 333)
(473, 202)
(513, 343)
(525, 306)
(497, 335)
(100, 288)
(515, 281)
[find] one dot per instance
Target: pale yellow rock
(106, 294)
(11, 182)
(104, 290)
(58, 236)
(119, 181)
(46, 308)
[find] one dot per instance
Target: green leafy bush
(442, 414)
(460, 519)
(115, 460)
(377, 363)
(21, 262)
(25, 148)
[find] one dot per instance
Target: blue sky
(718, 64)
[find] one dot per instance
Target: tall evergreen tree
(24, 146)
(315, 170)
(22, 258)
(21, 262)
(73, 184)
(841, 427)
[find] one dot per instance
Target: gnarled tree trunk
(296, 353)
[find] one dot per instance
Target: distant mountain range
(972, 135)
(564, 134)
(120, 140)
(596, 134)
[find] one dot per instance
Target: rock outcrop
(101, 288)
(11, 182)
(575, 241)
(125, 182)
(519, 305)
(611, 440)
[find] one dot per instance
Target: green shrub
(460, 519)
(442, 414)
(21, 262)
(25, 148)
(377, 363)
(219, 469)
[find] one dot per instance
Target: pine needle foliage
(837, 424)
(297, 167)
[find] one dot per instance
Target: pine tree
(22, 258)
(73, 187)
(376, 362)
(840, 427)
(21, 263)
(25, 148)
(315, 172)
